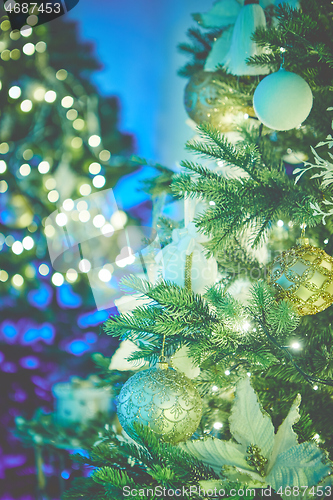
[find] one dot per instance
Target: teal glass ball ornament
(282, 100)
(163, 399)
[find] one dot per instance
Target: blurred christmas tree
(59, 141)
(248, 404)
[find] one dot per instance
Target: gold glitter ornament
(204, 102)
(163, 399)
(304, 275)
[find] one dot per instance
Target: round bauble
(204, 102)
(164, 400)
(282, 100)
(304, 275)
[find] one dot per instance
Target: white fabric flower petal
(248, 425)
(215, 453)
(285, 437)
(299, 466)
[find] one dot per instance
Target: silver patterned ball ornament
(163, 399)
(205, 101)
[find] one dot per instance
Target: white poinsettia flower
(257, 456)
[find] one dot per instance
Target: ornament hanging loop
(303, 241)
(282, 51)
(162, 361)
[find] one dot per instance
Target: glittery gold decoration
(164, 400)
(205, 102)
(188, 271)
(255, 459)
(304, 275)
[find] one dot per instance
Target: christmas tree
(60, 142)
(233, 396)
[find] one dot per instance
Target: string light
(3, 276)
(39, 94)
(94, 168)
(3, 166)
(28, 154)
(5, 55)
(25, 169)
(50, 183)
(79, 124)
(76, 142)
(61, 219)
(49, 231)
(17, 280)
(17, 248)
(280, 223)
(28, 49)
(84, 265)
(50, 96)
(119, 219)
(53, 196)
(3, 186)
(127, 260)
(227, 372)
(44, 269)
(14, 92)
(315, 388)
(246, 326)
(67, 101)
(215, 388)
(107, 230)
(32, 20)
(212, 203)
(104, 155)
(84, 216)
(82, 205)
(9, 240)
(28, 243)
(26, 106)
(85, 189)
(15, 34)
(4, 148)
(26, 31)
(94, 141)
(218, 425)
(5, 25)
(43, 167)
(99, 181)
(41, 47)
(104, 275)
(71, 275)
(72, 114)
(68, 204)
(15, 54)
(61, 74)
(99, 220)
(57, 279)
(295, 345)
